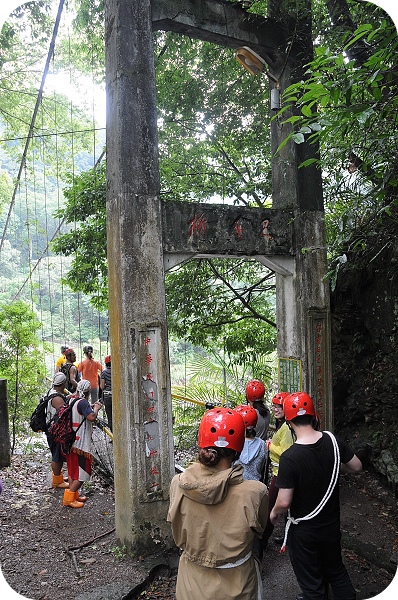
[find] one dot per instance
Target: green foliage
(207, 151)
(350, 106)
(119, 552)
(213, 380)
(21, 363)
(226, 304)
(84, 48)
(214, 146)
(213, 124)
(5, 188)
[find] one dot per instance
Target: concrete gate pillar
(143, 446)
(303, 308)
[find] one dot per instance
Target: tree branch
(240, 297)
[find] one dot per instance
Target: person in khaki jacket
(215, 515)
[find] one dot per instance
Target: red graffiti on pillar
(150, 397)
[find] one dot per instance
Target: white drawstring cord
(329, 491)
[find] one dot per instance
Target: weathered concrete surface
(138, 329)
(218, 229)
(223, 23)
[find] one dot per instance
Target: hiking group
(67, 414)
(223, 507)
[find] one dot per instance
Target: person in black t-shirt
(308, 482)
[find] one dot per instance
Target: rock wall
(364, 349)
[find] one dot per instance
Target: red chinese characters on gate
(319, 369)
(238, 229)
(198, 225)
(264, 229)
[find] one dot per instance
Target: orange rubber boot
(69, 499)
(80, 498)
(58, 482)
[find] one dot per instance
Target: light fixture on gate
(250, 60)
(253, 63)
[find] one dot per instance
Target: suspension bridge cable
(43, 254)
(58, 185)
(29, 238)
(59, 133)
(73, 176)
(33, 120)
(39, 282)
(50, 296)
(56, 232)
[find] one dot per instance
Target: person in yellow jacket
(215, 516)
(61, 360)
(281, 441)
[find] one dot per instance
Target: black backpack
(37, 420)
(61, 428)
(65, 369)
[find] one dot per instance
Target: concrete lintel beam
(283, 265)
(216, 229)
(172, 260)
(224, 23)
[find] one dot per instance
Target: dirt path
(37, 535)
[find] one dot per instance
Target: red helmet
(279, 398)
(107, 359)
(222, 428)
(297, 405)
(255, 390)
(248, 413)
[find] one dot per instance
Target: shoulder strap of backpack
(49, 398)
(71, 406)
